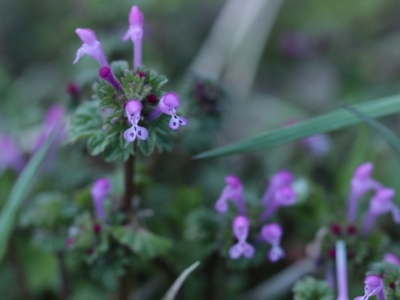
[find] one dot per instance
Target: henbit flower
(132, 110)
(232, 191)
(360, 184)
(135, 33)
(391, 258)
(169, 104)
(341, 270)
(373, 287)
(278, 180)
(100, 191)
(380, 203)
(106, 73)
(272, 233)
(91, 46)
(240, 228)
(10, 155)
(283, 196)
(318, 144)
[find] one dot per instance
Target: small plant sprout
(107, 75)
(284, 196)
(91, 46)
(169, 104)
(360, 184)
(373, 287)
(278, 180)
(135, 33)
(232, 191)
(240, 228)
(100, 191)
(272, 233)
(380, 204)
(132, 110)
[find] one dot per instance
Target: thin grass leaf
(173, 290)
(334, 120)
(19, 192)
(381, 129)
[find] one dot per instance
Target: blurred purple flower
(360, 184)
(283, 196)
(277, 181)
(294, 44)
(100, 191)
(318, 144)
(391, 258)
(380, 204)
(10, 155)
(169, 104)
(232, 191)
(240, 228)
(133, 109)
(341, 270)
(272, 233)
(54, 118)
(107, 75)
(91, 46)
(135, 33)
(373, 287)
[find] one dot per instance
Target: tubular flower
(100, 191)
(240, 228)
(278, 180)
(232, 191)
(380, 203)
(135, 33)
(391, 258)
(272, 233)
(132, 110)
(107, 75)
(169, 104)
(283, 196)
(360, 184)
(373, 287)
(91, 46)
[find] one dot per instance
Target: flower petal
(130, 134)
(174, 123)
(235, 251)
(142, 133)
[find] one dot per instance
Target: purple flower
(132, 110)
(91, 46)
(373, 287)
(360, 184)
(283, 196)
(100, 191)
(107, 75)
(294, 44)
(380, 204)
(232, 191)
(240, 228)
(318, 144)
(391, 258)
(10, 155)
(135, 33)
(272, 233)
(278, 180)
(169, 104)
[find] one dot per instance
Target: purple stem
(341, 270)
(154, 114)
(381, 295)
(269, 210)
(241, 207)
(102, 59)
(266, 198)
(352, 206)
(137, 57)
(330, 276)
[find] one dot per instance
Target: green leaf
(381, 129)
(141, 241)
(20, 191)
(310, 289)
(173, 290)
(334, 120)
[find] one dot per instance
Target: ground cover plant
(200, 150)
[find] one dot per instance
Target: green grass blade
(173, 290)
(19, 192)
(334, 120)
(381, 129)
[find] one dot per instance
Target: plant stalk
(62, 268)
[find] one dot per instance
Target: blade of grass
(334, 120)
(19, 192)
(173, 290)
(381, 129)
